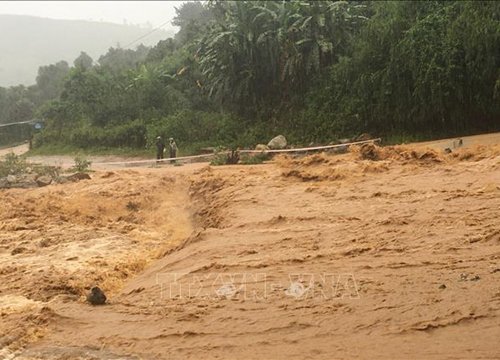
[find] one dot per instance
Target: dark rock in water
(369, 152)
(442, 286)
(96, 296)
(447, 151)
(18, 250)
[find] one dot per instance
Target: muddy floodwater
(377, 253)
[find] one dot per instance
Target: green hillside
(28, 42)
(240, 72)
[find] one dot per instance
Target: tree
(50, 80)
(419, 68)
(191, 17)
(83, 61)
(117, 60)
(163, 49)
(260, 53)
(3, 105)
(238, 71)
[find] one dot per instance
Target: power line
(147, 34)
(21, 122)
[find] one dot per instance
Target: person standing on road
(173, 149)
(160, 147)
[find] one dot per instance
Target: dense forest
(239, 72)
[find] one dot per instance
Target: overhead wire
(147, 34)
(18, 123)
(126, 46)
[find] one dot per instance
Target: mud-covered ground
(379, 253)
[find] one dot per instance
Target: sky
(141, 13)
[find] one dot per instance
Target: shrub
(220, 158)
(81, 164)
(12, 165)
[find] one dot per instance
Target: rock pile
(33, 180)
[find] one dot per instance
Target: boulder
(262, 147)
(29, 178)
(78, 176)
(44, 180)
(96, 296)
(4, 184)
(279, 142)
(26, 183)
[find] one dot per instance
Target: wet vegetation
(240, 72)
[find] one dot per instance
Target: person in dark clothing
(160, 147)
(173, 149)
